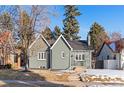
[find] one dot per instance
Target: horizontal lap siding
(87, 60)
(57, 61)
(39, 46)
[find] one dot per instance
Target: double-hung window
(79, 57)
(41, 56)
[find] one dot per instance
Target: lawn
(32, 75)
(34, 78)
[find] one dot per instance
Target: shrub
(8, 66)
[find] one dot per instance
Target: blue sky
(110, 17)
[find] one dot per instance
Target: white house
(109, 58)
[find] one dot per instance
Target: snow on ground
(107, 72)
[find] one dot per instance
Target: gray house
(59, 54)
(39, 53)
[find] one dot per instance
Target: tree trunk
(26, 59)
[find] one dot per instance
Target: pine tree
(47, 33)
(6, 22)
(57, 32)
(71, 25)
(98, 36)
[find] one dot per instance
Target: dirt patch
(46, 75)
(52, 75)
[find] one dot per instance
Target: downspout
(70, 56)
(69, 59)
(120, 60)
(50, 61)
(90, 59)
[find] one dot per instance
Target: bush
(8, 66)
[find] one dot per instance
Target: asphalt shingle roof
(75, 44)
(78, 44)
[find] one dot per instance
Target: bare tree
(36, 19)
(28, 22)
(115, 36)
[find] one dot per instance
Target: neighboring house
(8, 55)
(120, 48)
(59, 54)
(108, 52)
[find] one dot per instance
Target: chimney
(88, 39)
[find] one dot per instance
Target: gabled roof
(37, 39)
(51, 42)
(72, 44)
(79, 44)
(111, 46)
(61, 36)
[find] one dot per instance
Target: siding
(57, 61)
(103, 56)
(104, 52)
(86, 62)
(39, 46)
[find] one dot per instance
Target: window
(62, 54)
(79, 57)
(76, 57)
(41, 56)
(83, 57)
(114, 57)
(107, 56)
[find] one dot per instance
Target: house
(59, 54)
(108, 54)
(8, 55)
(120, 49)
(39, 53)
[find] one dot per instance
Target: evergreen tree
(98, 36)
(6, 22)
(71, 25)
(47, 33)
(57, 32)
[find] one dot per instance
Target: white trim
(64, 40)
(37, 39)
(45, 40)
(34, 41)
(40, 55)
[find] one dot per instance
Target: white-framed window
(62, 54)
(79, 57)
(41, 56)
